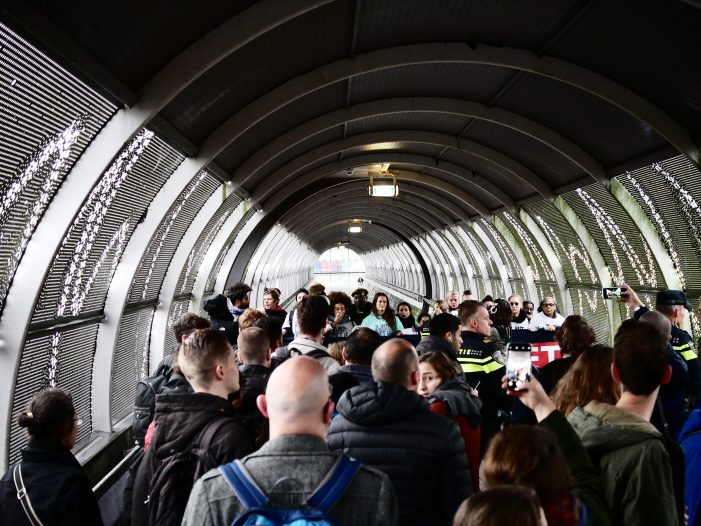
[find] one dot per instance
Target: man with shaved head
(297, 403)
(388, 425)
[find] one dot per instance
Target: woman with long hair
(575, 336)
(551, 459)
(588, 379)
(382, 320)
(55, 488)
(500, 314)
(405, 315)
(339, 324)
(444, 385)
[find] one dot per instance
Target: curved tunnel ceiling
(511, 127)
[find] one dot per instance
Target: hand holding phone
(518, 364)
(613, 293)
(533, 396)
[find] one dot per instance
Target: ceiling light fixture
(383, 189)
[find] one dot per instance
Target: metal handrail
(120, 469)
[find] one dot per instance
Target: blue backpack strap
(243, 485)
(335, 483)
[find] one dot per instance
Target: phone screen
(518, 365)
(613, 293)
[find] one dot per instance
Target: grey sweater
(368, 501)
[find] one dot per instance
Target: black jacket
(57, 487)
(221, 317)
(254, 380)
(392, 429)
(437, 344)
(179, 420)
(358, 316)
(484, 373)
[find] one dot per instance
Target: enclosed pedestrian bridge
(154, 152)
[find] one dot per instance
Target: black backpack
(145, 400)
(172, 482)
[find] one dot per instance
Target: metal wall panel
(177, 309)
(571, 253)
(131, 360)
(590, 304)
(212, 278)
(620, 242)
(89, 254)
(48, 118)
(155, 261)
(670, 194)
(60, 359)
(189, 273)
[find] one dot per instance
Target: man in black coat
(388, 426)
(224, 309)
(208, 362)
(444, 336)
(254, 355)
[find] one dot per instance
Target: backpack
(312, 512)
(284, 353)
(145, 400)
(172, 482)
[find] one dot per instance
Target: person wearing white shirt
(547, 317)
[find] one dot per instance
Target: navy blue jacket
(691, 443)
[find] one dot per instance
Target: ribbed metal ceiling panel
(474, 190)
(571, 252)
(293, 114)
(662, 36)
(83, 268)
(60, 359)
(395, 147)
(189, 273)
(386, 23)
(670, 197)
(155, 261)
(319, 139)
(620, 242)
(542, 159)
(610, 134)
(268, 61)
(448, 123)
(455, 81)
(48, 118)
(131, 360)
(136, 41)
(514, 186)
(590, 304)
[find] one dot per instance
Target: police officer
(481, 368)
(674, 305)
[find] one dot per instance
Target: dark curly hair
(575, 336)
(339, 297)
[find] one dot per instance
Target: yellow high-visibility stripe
(486, 368)
(473, 360)
(689, 355)
(680, 348)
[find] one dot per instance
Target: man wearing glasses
(519, 320)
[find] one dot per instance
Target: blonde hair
(440, 306)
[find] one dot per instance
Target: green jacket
(587, 478)
(634, 464)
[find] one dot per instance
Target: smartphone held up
(614, 293)
(518, 365)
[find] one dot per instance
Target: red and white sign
(544, 353)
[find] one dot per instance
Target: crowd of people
(251, 418)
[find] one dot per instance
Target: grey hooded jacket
(368, 501)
